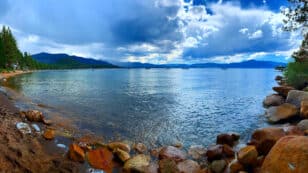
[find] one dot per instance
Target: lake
(154, 106)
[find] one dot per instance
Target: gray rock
(295, 97)
(303, 125)
(273, 100)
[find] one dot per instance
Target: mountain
(64, 61)
(244, 64)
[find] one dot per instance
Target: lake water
(155, 106)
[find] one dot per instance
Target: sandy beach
(6, 75)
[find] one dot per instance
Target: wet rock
(248, 155)
(265, 138)
(121, 145)
(289, 155)
(283, 90)
(138, 163)
(36, 127)
(178, 144)
(285, 111)
(235, 167)
(295, 97)
(76, 153)
(196, 151)
(140, 148)
(228, 151)
(304, 109)
(172, 153)
(24, 128)
(214, 152)
(273, 100)
(49, 134)
(100, 159)
(228, 139)
(218, 166)
(168, 166)
(303, 125)
(34, 115)
(122, 155)
(188, 166)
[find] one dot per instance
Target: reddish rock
(168, 166)
(273, 100)
(140, 148)
(248, 155)
(304, 109)
(121, 145)
(188, 166)
(289, 155)
(236, 167)
(228, 139)
(215, 152)
(76, 153)
(278, 78)
(49, 134)
(283, 90)
(101, 159)
(34, 115)
(277, 113)
(264, 139)
(172, 153)
(228, 151)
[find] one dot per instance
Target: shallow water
(155, 106)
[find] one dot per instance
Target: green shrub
(296, 74)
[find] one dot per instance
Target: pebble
(24, 128)
(36, 127)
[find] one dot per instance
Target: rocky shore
(283, 148)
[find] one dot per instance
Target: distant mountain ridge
(67, 61)
(64, 61)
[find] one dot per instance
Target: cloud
(256, 35)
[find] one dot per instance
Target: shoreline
(123, 152)
(6, 75)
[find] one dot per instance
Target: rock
(228, 139)
(100, 158)
(121, 145)
(289, 155)
(62, 146)
(265, 138)
(36, 127)
(304, 109)
(49, 134)
(248, 155)
(24, 128)
(273, 100)
(123, 155)
(140, 148)
(283, 90)
(168, 166)
(214, 152)
(178, 144)
(155, 152)
(47, 122)
(295, 97)
(34, 115)
(306, 132)
(277, 113)
(218, 166)
(228, 151)
(278, 77)
(188, 166)
(75, 153)
(152, 168)
(235, 167)
(137, 163)
(196, 151)
(303, 125)
(172, 153)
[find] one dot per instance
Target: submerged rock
(304, 109)
(76, 153)
(49, 134)
(273, 100)
(24, 128)
(248, 155)
(137, 163)
(140, 148)
(277, 113)
(100, 159)
(295, 97)
(289, 155)
(172, 153)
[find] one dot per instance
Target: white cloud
(256, 35)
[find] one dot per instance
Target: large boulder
(283, 90)
(264, 139)
(248, 155)
(295, 97)
(172, 153)
(285, 111)
(303, 125)
(138, 163)
(273, 100)
(304, 109)
(289, 155)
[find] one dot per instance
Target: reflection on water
(160, 106)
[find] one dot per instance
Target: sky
(153, 31)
